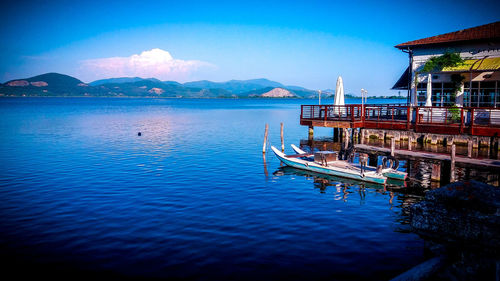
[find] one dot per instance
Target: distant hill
(235, 86)
(55, 84)
(120, 80)
(156, 88)
(267, 92)
(172, 82)
(49, 84)
(298, 88)
(279, 93)
(52, 79)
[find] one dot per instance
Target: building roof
(478, 33)
(484, 64)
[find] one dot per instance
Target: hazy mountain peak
(120, 80)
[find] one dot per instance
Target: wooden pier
(423, 155)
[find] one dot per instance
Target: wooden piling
(282, 139)
(445, 172)
(311, 132)
(361, 136)
(372, 160)
(452, 166)
(495, 148)
(409, 142)
(393, 146)
(469, 148)
(265, 139)
(336, 134)
(346, 138)
(436, 172)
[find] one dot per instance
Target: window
(484, 94)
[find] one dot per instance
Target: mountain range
(55, 84)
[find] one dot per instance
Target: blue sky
(304, 43)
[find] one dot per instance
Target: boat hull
(396, 175)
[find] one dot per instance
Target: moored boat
(389, 172)
(335, 168)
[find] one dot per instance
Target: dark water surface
(81, 192)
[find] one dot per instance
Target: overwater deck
(474, 121)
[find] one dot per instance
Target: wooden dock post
(495, 148)
(282, 139)
(452, 166)
(469, 148)
(346, 138)
(336, 134)
(372, 160)
(361, 135)
(409, 142)
(445, 172)
(311, 132)
(436, 172)
(265, 139)
(393, 146)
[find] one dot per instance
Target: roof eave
(407, 45)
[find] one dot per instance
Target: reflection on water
(265, 165)
(347, 190)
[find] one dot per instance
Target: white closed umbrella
(428, 95)
(339, 92)
(339, 95)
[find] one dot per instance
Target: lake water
(192, 198)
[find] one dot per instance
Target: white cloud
(155, 63)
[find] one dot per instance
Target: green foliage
(447, 59)
(454, 113)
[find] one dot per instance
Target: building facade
(479, 47)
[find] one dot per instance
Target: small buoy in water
(139, 134)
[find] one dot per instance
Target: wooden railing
(430, 119)
(351, 112)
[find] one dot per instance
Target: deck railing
(432, 119)
(351, 112)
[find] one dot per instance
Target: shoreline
(210, 98)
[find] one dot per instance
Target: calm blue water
(80, 191)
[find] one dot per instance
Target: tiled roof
(483, 32)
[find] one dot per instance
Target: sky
(302, 43)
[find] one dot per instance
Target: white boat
(335, 168)
(388, 172)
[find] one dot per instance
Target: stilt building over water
(453, 85)
(456, 100)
